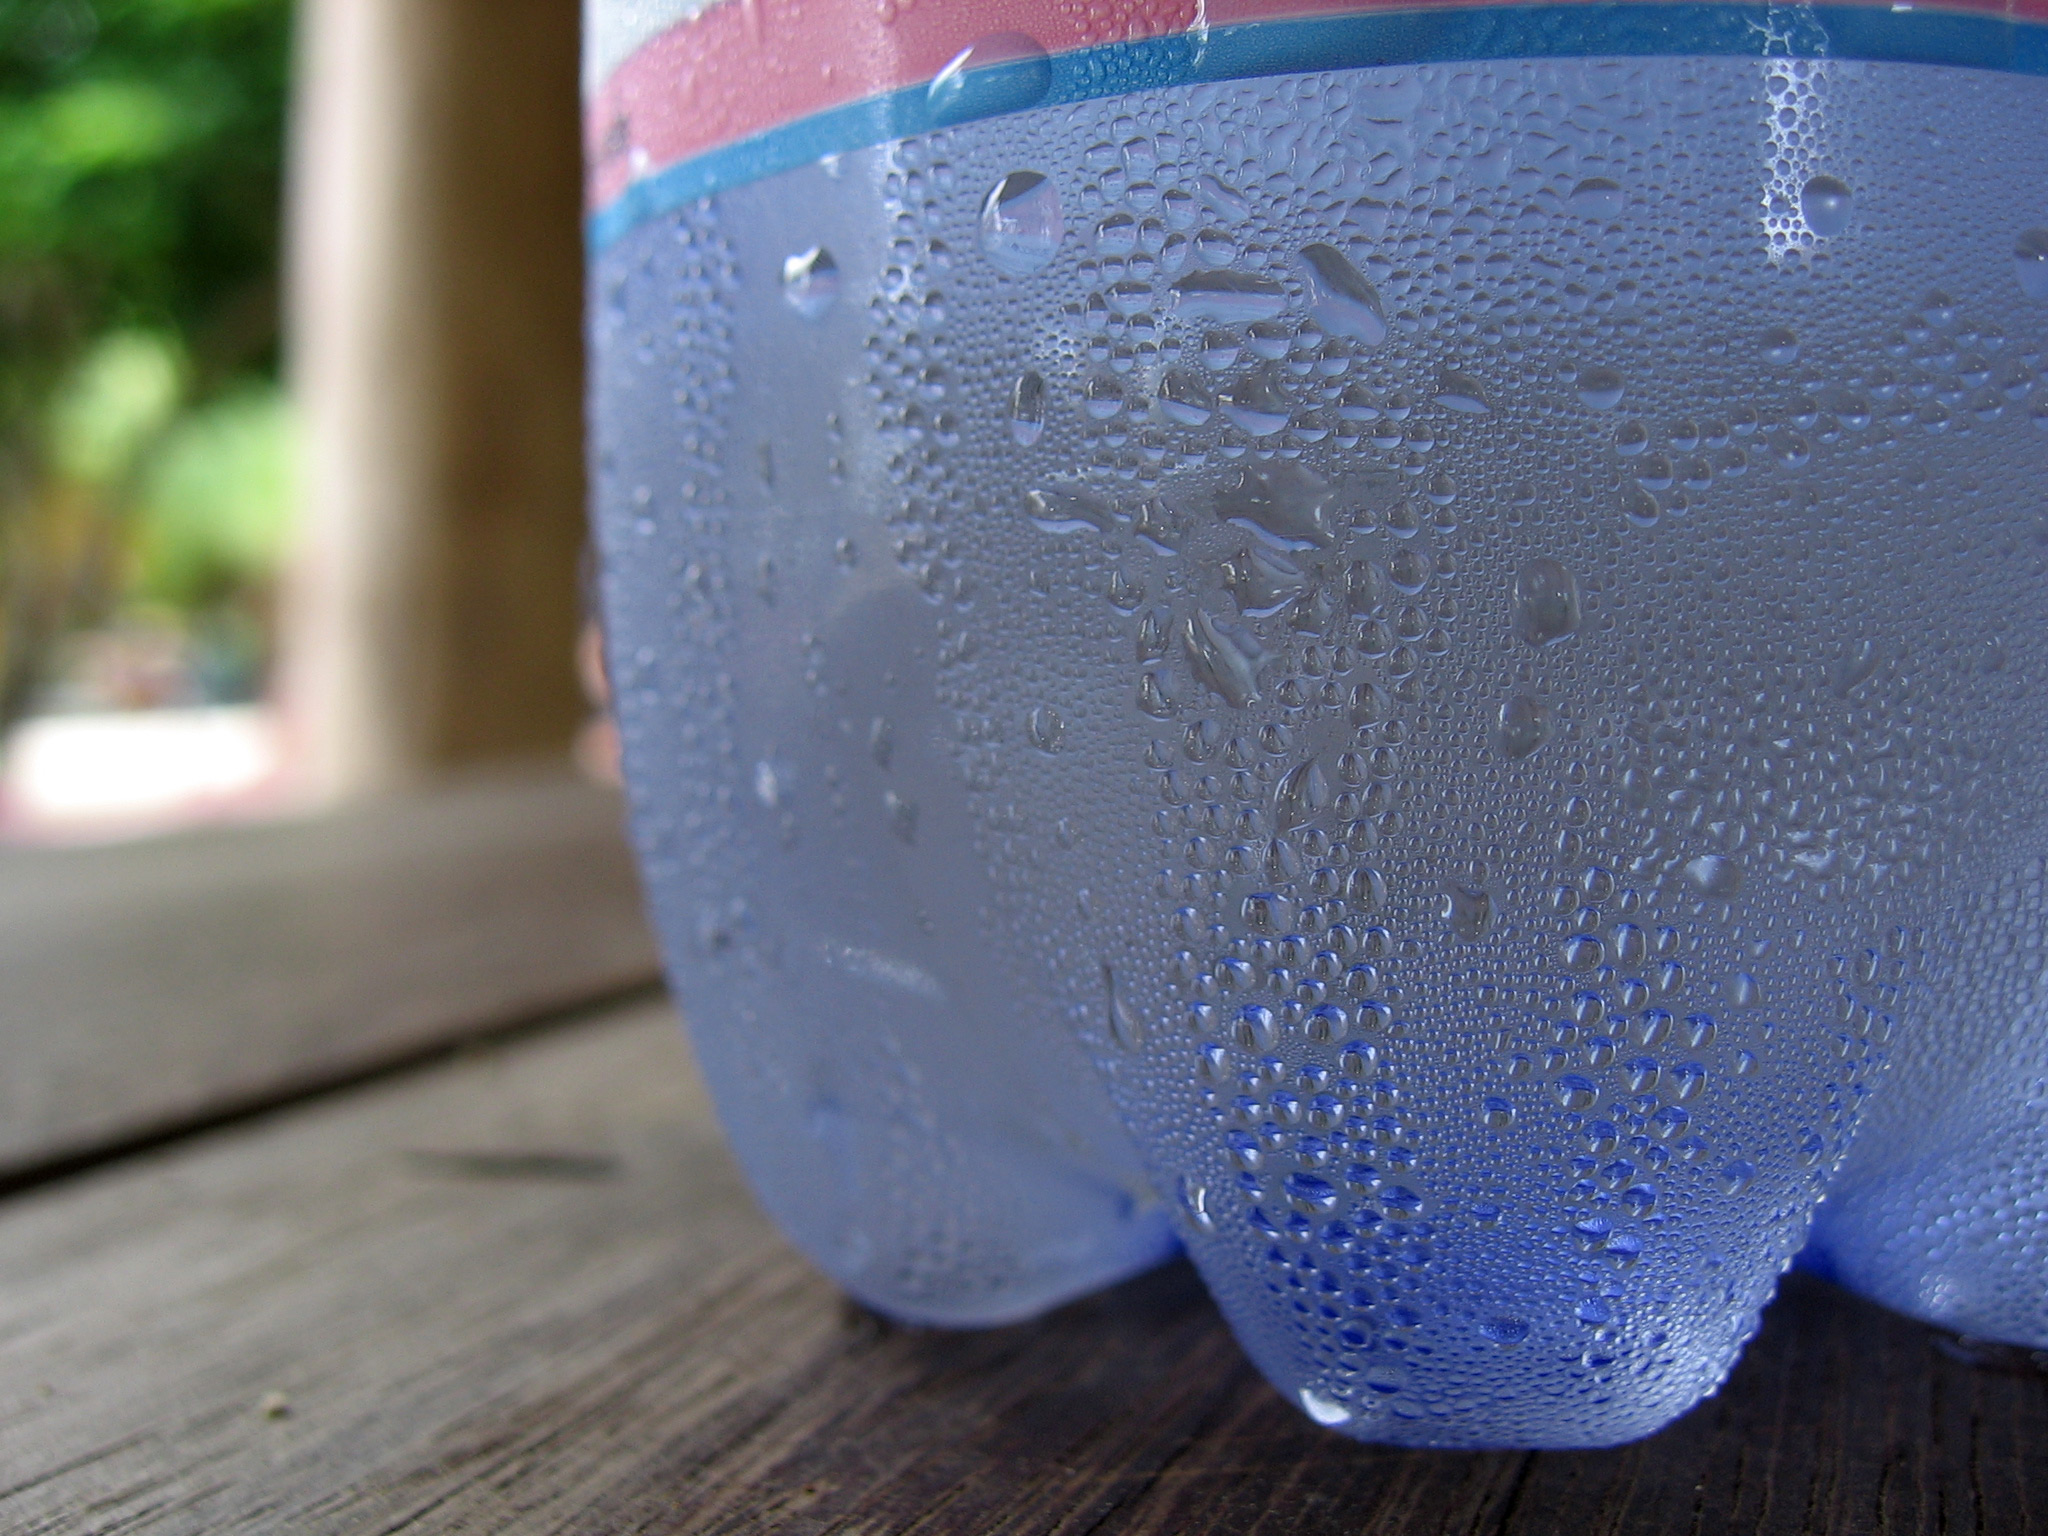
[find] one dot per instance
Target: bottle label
(685, 97)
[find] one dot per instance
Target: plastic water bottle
(1404, 649)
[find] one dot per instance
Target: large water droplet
(1267, 912)
(1027, 409)
(1003, 72)
(1299, 797)
(1263, 583)
(1254, 1030)
(1021, 223)
(1470, 910)
(1640, 507)
(1224, 658)
(1152, 697)
(1256, 404)
(1184, 398)
(1284, 502)
(1597, 198)
(1160, 526)
(1780, 345)
(1576, 1091)
(1232, 298)
(1194, 1199)
(1583, 952)
(901, 815)
(1461, 392)
(1220, 350)
(1341, 301)
(1045, 728)
(1824, 200)
(1601, 388)
(1215, 248)
(1125, 1027)
(1713, 874)
(1102, 397)
(2030, 262)
(1269, 339)
(1857, 666)
(810, 282)
(1524, 726)
(1224, 199)
(1068, 511)
(1545, 604)
(1323, 1408)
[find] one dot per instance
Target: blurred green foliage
(144, 446)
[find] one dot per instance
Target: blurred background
(290, 405)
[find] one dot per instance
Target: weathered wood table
(359, 1181)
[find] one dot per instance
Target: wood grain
(154, 983)
(527, 1293)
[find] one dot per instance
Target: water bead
(1021, 223)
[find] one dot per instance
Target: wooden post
(436, 352)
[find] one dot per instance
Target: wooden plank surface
(153, 983)
(526, 1292)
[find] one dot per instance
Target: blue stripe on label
(1357, 41)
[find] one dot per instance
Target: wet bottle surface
(1425, 680)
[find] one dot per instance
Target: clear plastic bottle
(1404, 648)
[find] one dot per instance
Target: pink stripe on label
(748, 65)
(742, 67)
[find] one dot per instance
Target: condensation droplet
(2030, 262)
(1576, 1091)
(1597, 197)
(1183, 398)
(1021, 223)
(1714, 874)
(1003, 72)
(1045, 728)
(1257, 405)
(1545, 602)
(1523, 727)
(1230, 298)
(1223, 658)
(1462, 393)
(1283, 501)
(1068, 511)
(1470, 910)
(1263, 582)
(901, 815)
(1324, 1409)
(1102, 398)
(1340, 298)
(1824, 201)
(1125, 1027)
(1299, 797)
(810, 282)
(1027, 409)
(1601, 388)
